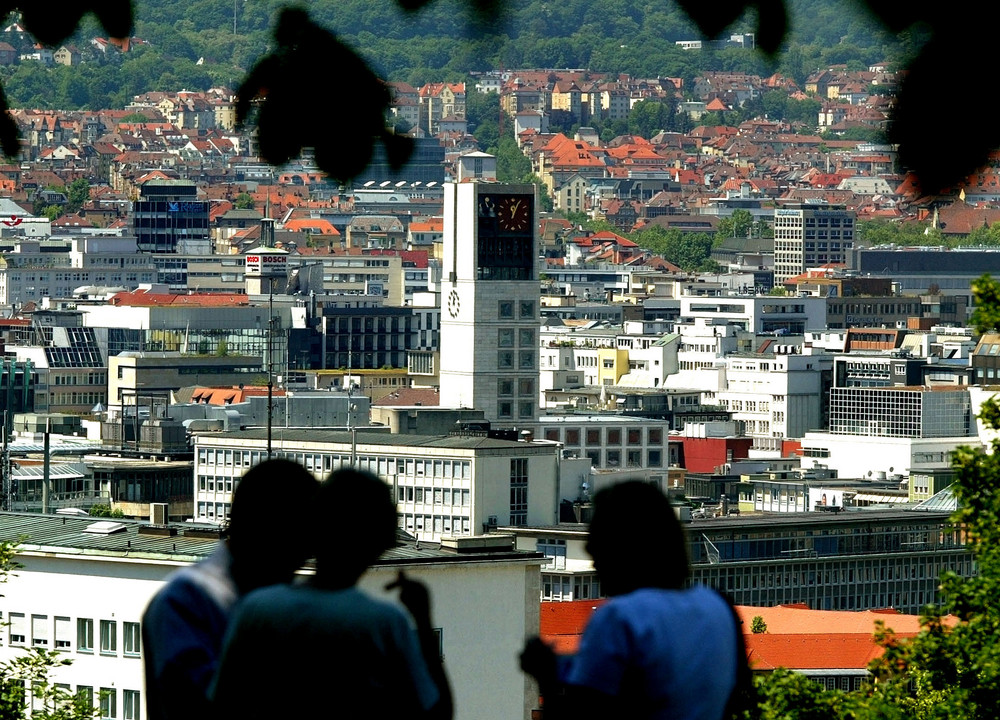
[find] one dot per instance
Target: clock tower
(489, 301)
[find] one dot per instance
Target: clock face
(454, 304)
(514, 213)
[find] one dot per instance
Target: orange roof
(811, 651)
(409, 397)
(318, 226)
(432, 225)
(229, 395)
(562, 623)
(144, 298)
(796, 637)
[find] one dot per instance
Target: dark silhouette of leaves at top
(51, 24)
(281, 91)
(9, 140)
(955, 64)
(281, 86)
(714, 17)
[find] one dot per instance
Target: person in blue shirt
(658, 648)
(185, 622)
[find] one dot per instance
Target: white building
(855, 456)
(778, 395)
(702, 346)
(759, 314)
(444, 485)
(490, 296)
(29, 274)
(83, 593)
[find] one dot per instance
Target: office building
(168, 217)
(444, 485)
(810, 235)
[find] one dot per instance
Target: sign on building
(266, 264)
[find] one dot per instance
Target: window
(130, 704)
(527, 309)
(86, 692)
(132, 640)
(109, 636)
(64, 631)
(525, 337)
(505, 387)
(554, 550)
(505, 337)
(505, 309)
(85, 635)
(18, 628)
(109, 702)
(40, 630)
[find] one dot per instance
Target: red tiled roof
(144, 298)
(409, 397)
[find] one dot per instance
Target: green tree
(649, 117)
(244, 201)
(757, 625)
(77, 194)
(512, 165)
(737, 225)
(106, 511)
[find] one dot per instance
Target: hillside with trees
(212, 42)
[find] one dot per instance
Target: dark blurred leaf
(713, 17)
(116, 16)
(8, 130)
(923, 114)
(772, 24)
(49, 27)
(282, 89)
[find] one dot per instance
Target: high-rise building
(169, 218)
(809, 235)
(489, 297)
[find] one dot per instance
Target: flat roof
(193, 541)
(367, 436)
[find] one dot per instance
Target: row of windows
(217, 512)
(435, 496)
(606, 436)
(107, 702)
(57, 633)
(570, 587)
(525, 409)
(417, 523)
(324, 463)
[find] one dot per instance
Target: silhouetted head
(636, 539)
(261, 554)
(366, 526)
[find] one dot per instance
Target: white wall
(485, 611)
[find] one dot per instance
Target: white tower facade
(489, 300)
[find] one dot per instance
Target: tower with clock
(489, 301)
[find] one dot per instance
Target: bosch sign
(266, 264)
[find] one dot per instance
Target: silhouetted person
(655, 649)
(328, 649)
(185, 622)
